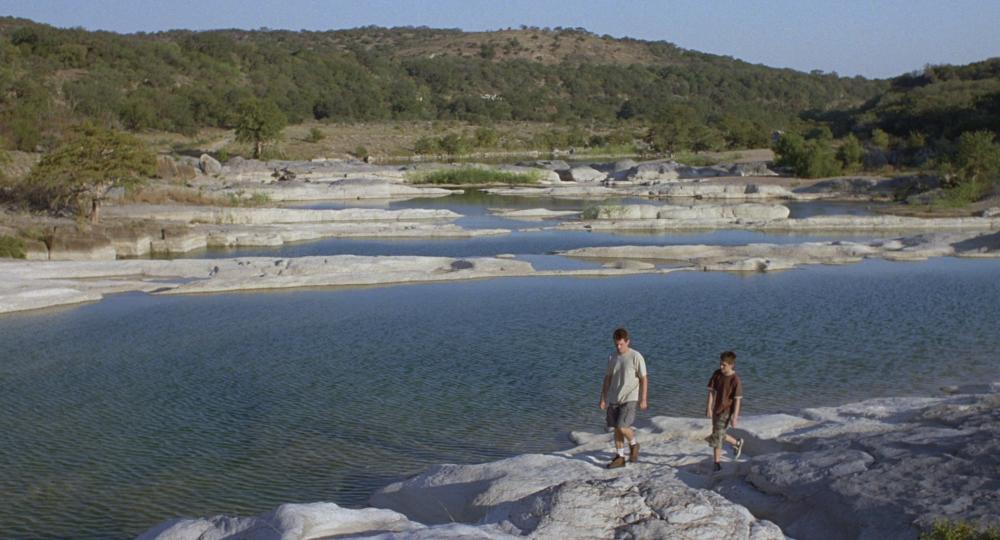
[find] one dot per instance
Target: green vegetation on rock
(947, 530)
(471, 175)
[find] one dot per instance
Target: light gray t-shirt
(625, 371)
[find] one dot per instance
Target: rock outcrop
(882, 468)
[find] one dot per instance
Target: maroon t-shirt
(726, 390)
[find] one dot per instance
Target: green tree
(672, 129)
(808, 159)
(85, 167)
(880, 139)
(978, 158)
(850, 152)
(260, 123)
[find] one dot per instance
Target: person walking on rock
(725, 392)
(625, 389)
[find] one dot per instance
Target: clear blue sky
(874, 38)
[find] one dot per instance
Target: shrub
(850, 152)
(808, 159)
(946, 530)
(11, 247)
(880, 139)
(426, 145)
(315, 135)
(361, 152)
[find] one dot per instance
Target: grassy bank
(472, 175)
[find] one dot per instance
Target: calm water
(474, 207)
(123, 413)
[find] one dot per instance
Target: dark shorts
(719, 424)
(621, 415)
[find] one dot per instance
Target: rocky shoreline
(26, 285)
(884, 468)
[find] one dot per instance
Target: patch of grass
(948, 530)
(11, 247)
(472, 175)
(627, 149)
(695, 160)
(963, 195)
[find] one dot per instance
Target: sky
(872, 38)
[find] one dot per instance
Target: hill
(181, 81)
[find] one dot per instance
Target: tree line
(181, 81)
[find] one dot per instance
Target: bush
(469, 175)
(945, 530)
(11, 247)
(426, 146)
(315, 135)
(361, 152)
(850, 152)
(808, 159)
(880, 139)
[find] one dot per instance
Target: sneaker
(739, 448)
(718, 466)
(633, 453)
(619, 461)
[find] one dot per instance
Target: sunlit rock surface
(882, 468)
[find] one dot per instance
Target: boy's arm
(604, 391)
(711, 401)
(643, 393)
(736, 409)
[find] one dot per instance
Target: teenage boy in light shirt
(625, 389)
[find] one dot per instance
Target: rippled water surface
(120, 414)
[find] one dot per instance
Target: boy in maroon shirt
(725, 392)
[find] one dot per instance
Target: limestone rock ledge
(881, 468)
(28, 285)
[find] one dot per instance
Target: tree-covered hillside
(942, 102)
(181, 81)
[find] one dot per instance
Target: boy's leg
(719, 424)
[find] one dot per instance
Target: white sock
(620, 451)
(632, 442)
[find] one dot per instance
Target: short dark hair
(621, 333)
(728, 357)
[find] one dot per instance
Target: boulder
(993, 212)
(586, 174)
(653, 172)
(209, 165)
(845, 185)
(169, 169)
(624, 165)
(751, 168)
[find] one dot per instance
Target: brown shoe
(619, 461)
(633, 453)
